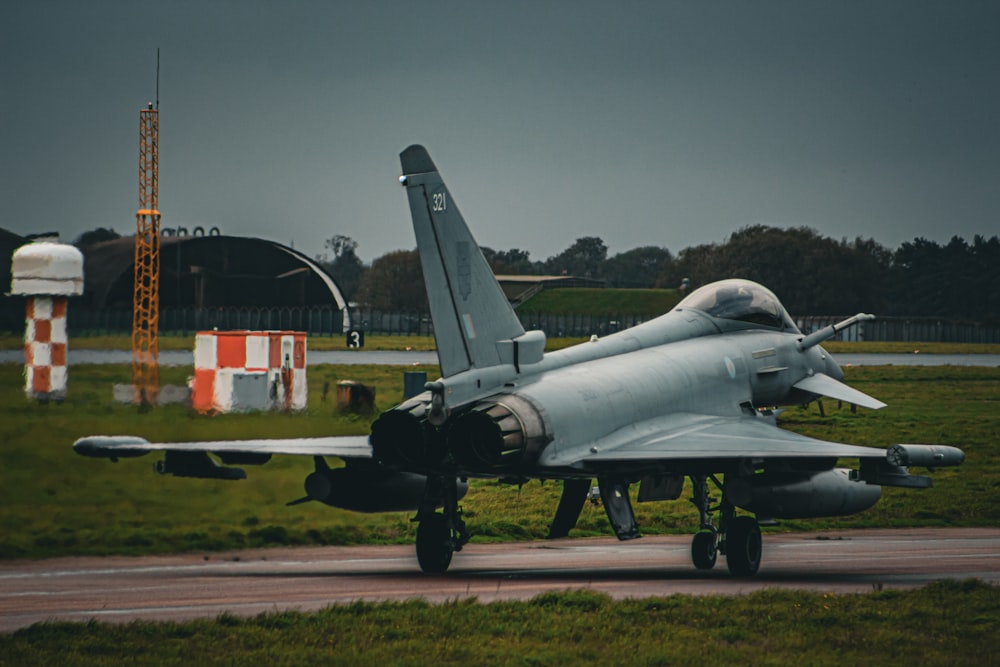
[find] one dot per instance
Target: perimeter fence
(330, 321)
(907, 329)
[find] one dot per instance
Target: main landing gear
(439, 535)
(737, 537)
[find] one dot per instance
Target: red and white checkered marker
(45, 344)
(46, 273)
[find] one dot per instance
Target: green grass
(943, 405)
(601, 301)
(946, 623)
(909, 347)
(53, 502)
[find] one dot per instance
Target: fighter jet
(691, 394)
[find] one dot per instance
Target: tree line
(811, 273)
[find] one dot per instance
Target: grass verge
(945, 623)
(601, 301)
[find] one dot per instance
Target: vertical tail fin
(474, 323)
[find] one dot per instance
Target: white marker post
(47, 274)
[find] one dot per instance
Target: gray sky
(644, 123)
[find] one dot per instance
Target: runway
(246, 583)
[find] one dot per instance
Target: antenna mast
(146, 302)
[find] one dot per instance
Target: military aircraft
(691, 394)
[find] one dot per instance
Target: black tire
(703, 551)
(743, 547)
(434, 545)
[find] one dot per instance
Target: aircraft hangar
(206, 281)
(211, 272)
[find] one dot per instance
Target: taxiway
(121, 589)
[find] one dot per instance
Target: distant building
(9, 242)
(204, 282)
(211, 272)
(519, 289)
(11, 307)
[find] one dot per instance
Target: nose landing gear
(737, 537)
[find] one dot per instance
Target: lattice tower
(146, 304)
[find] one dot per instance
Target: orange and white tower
(47, 274)
(146, 300)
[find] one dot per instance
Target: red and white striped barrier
(249, 370)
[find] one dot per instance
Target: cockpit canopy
(743, 301)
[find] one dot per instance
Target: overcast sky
(643, 123)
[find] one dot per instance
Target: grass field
(53, 502)
(947, 623)
(601, 301)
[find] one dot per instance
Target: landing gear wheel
(703, 551)
(743, 547)
(434, 544)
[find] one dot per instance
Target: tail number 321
(439, 202)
